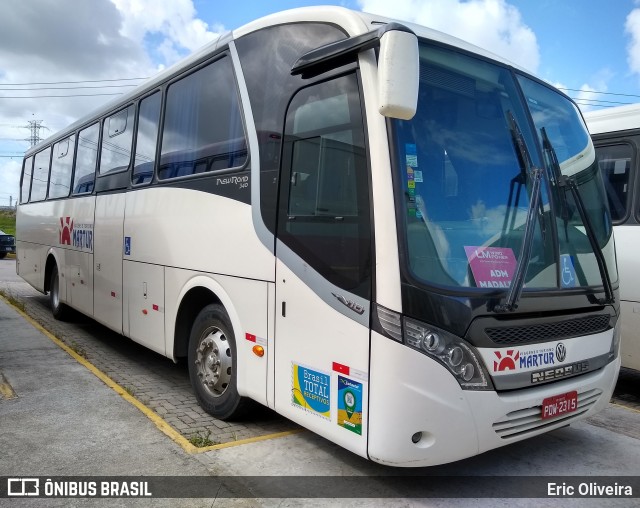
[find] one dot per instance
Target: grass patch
(13, 301)
(8, 221)
(77, 349)
(199, 440)
(129, 390)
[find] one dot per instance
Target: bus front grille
(523, 421)
(543, 332)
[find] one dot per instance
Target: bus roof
(619, 118)
(353, 22)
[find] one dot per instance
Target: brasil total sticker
(311, 390)
(350, 404)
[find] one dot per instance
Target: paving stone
(154, 380)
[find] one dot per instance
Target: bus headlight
(459, 357)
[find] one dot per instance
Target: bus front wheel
(213, 364)
(59, 310)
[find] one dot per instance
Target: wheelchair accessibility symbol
(568, 272)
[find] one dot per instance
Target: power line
(60, 96)
(599, 100)
(70, 82)
(596, 91)
(60, 88)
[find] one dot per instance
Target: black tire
(213, 364)
(59, 310)
(3, 255)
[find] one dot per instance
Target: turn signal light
(258, 351)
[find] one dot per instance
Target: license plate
(559, 405)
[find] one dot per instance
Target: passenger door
(107, 281)
(324, 265)
(114, 177)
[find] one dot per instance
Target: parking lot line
(628, 408)
(6, 390)
(160, 423)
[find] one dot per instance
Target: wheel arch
(52, 260)
(197, 293)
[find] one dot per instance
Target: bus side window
(41, 175)
(86, 158)
(146, 139)
(26, 180)
(117, 135)
(615, 162)
(325, 216)
(203, 129)
(61, 168)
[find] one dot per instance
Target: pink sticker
(492, 267)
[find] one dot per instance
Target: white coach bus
(385, 234)
(616, 136)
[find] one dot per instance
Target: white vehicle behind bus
(386, 234)
(616, 136)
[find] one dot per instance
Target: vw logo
(561, 352)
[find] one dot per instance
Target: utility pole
(34, 128)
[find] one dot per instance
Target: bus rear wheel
(59, 310)
(213, 364)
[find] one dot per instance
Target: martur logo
(508, 362)
(66, 228)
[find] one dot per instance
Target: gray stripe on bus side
(331, 294)
(264, 235)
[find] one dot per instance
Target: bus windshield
(464, 167)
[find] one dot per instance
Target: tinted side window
(146, 138)
(61, 168)
(615, 163)
(86, 160)
(26, 180)
(40, 175)
(325, 217)
(203, 128)
(276, 48)
(117, 135)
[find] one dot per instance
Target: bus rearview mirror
(398, 75)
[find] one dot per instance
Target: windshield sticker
(350, 405)
(492, 267)
(411, 155)
(568, 271)
(411, 191)
(417, 176)
(311, 390)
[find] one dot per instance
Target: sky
(60, 59)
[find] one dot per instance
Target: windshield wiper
(517, 283)
(563, 182)
(552, 161)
